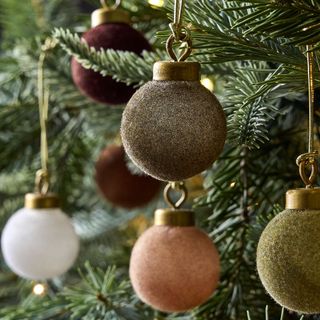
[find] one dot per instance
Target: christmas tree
(252, 55)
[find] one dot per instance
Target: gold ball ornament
(174, 268)
(173, 127)
(288, 257)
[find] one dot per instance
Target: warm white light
(208, 83)
(232, 184)
(156, 3)
(39, 289)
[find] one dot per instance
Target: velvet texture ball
(118, 185)
(39, 244)
(288, 260)
(173, 130)
(117, 36)
(174, 269)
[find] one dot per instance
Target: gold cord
(307, 161)
(177, 19)
(310, 58)
(42, 176)
(43, 111)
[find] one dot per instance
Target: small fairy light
(232, 184)
(208, 83)
(39, 289)
(156, 3)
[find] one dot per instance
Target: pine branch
(104, 296)
(100, 295)
(126, 67)
(215, 36)
(147, 18)
(27, 19)
(295, 20)
(250, 106)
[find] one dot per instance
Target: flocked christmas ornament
(111, 29)
(288, 259)
(174, 266)
(173, 127)
(118, 184)
(288, 254)
(39, 241)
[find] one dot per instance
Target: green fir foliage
(254, 51)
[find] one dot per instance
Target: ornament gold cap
(308, 198)
(176, 71)
(41, 201)
(107, 15)
(174, 217)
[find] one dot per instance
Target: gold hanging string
(307, 161)
(42, 175)
(113, 7)
(176, 26)
(179, 34)
(178, 187)
(310, 58)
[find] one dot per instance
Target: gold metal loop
(113, 7)
(177, 187)
(187, 51)
(307, 162)
(42, 182)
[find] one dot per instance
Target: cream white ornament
(39, 243)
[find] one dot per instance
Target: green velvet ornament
(288, 260)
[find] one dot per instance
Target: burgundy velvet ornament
(118, 185)
(113, 34)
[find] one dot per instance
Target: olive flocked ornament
(111, 29)
(173, 127)
(174, 266)
(118, 184)
(39, 242)
(288, 258)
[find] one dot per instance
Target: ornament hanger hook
(42, 182)
(305, 161)
(178, 187)
(113, 7)
(187, 50)
(179, 34)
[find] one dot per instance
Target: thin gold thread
(42, 176)
(307, 161)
